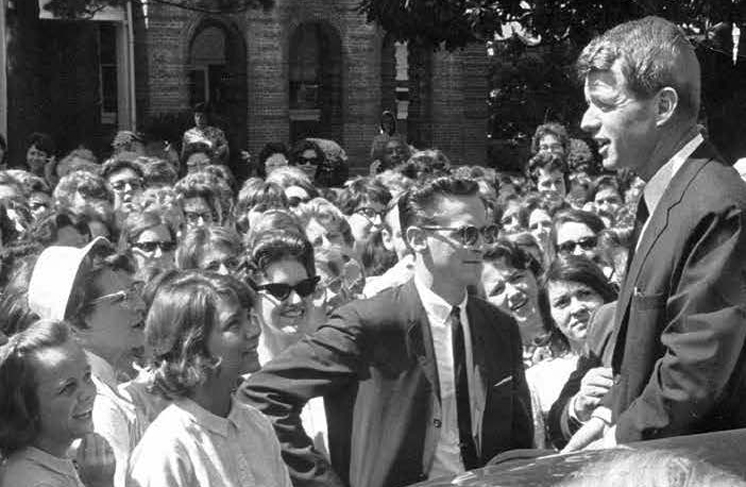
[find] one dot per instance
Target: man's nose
(294, 297)
(158, 252)
(223, 269)
(589, 122)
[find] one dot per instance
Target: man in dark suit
(418, 382)
(680, 324)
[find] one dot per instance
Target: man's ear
(386, 239)
(668, 101)
(416, 239)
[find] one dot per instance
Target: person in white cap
(95, 292)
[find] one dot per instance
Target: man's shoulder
(396, 302)
(717, 183)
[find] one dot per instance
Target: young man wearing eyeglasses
(420, 381)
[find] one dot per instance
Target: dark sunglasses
(281, 290)
(151, 246)
(310, 160)
(585, 243)
(469, 235)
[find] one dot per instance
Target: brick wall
(451, 109)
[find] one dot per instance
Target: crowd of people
(163, 325)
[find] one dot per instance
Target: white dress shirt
(447, 459)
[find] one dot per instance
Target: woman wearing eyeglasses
(283, 273)
(575, 232)
(149, 239)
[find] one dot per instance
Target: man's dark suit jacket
(597, 353)
(374, 364)
(680, 322)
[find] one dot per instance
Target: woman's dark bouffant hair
(277, 245)
(19, 401)
(577, 268)
(181, 318)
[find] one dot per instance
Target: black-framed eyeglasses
(585, 243)
(194, 217)
(150, 247)
(370, 213)
(121, 185)
(282, 290)
(469, 235)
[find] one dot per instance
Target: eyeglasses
(231, 263)
(370, 213)
(469, 235)
(150, 247)
(585, 243)
(314, 161)
(282, 290)
(123, 296)
(194, 217)
(122, 184)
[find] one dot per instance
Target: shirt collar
(435, 306)
(62, 466)
(655, 188)
(101, 369)
(206, 419)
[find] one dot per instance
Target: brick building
(311, 67)
(301, 68)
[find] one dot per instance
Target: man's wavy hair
(652, 52)
(19, 401)
(182, 316)
(416, 205)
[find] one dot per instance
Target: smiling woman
(52, 406)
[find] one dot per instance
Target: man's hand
(96, 463)
(591, 431)
(594, 386)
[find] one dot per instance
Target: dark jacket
(680, 324)
(374, 364)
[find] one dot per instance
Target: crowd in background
(163, 268)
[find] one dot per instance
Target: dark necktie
(640, 218)
(463, 409)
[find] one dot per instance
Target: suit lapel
(656, 226)
(419, 336)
